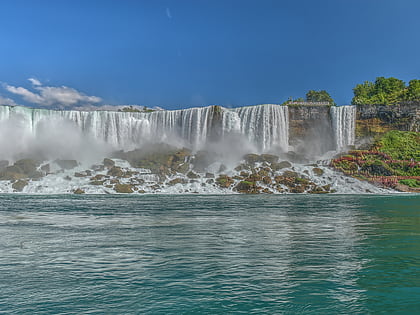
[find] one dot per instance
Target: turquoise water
(195, 254)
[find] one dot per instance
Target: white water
(343, 123)
(265, 127)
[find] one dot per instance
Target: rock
(267, 180)
(269, 158)
(290, 174)
(108, 163)
(209, 175)
(251, 158)
(27, 166)
(66, 164)
(245, 187)
(281, 165)
(267, 191)
(19, 185)
(46, 168)
(77, 174)
(67, 178)
(11, 173)
(78, 191)
(191, 174)
(123, 188)
(116, 171)
(318, 171)
(297, 190)
(224, 181)
(177, 180)
(97, 182)
(97, 177)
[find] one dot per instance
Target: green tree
(413, 91)
(319, 96)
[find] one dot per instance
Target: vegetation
(386, 91)
(400, 145)
(313, 96)
(394, 159)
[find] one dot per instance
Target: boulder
(78, 191)
(123, 188)
(270, 158)
(116, 171)
(108, 163)
(318, 171)
(191, 174)
(251, 158)
(281, 165)
(19, 185)
(224, 181)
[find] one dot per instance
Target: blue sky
(178, 53)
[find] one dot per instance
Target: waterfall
(343, 123)
(264, 126)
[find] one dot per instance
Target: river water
(208, 254)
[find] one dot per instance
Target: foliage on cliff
(393, 160)
(313, 96)
(400, 145)
(386, 91)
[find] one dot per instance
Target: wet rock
(244, 174)
(290, 174)
(246, 187)
(11, 173)
(78, 191)
(66, 164)
(19, 185)
(318, 171)
(209, 175)
(191, 174)
(251, 158)
(210, 181)
(46, 168)
(267, 191)
(80, 174)
(108, 163)
(177, 180)
(269, 158)
(67, 178)
(97, 177)
(224, 181)
(27, 166)
(267, 180)
(281, 165)
(297, 189)
(116, 171)
(123, 188)
(97, 182)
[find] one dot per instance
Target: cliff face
(374, 120)
(315, 122)
(310, 124)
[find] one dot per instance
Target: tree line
(384, 91)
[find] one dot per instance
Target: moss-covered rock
(224, 181)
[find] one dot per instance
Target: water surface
(189, 254)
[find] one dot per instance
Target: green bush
(414, 183)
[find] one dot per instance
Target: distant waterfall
(343, 123)
(264, 126)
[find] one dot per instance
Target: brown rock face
(123, 188)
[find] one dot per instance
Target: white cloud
(34, 81)
(168, 13)
(61, 96)
(7, 101)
